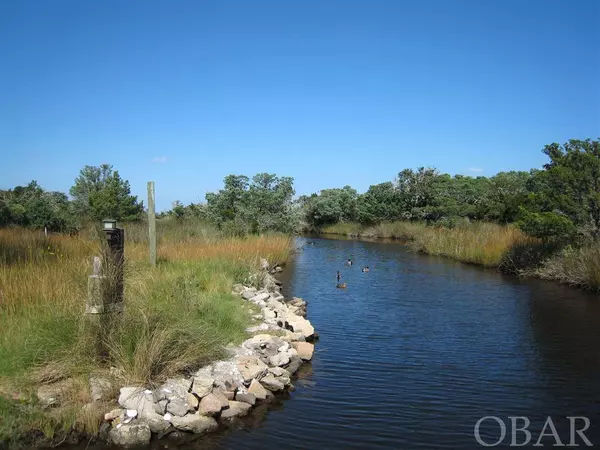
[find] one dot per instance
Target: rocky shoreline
(255, 371)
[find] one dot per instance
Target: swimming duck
(366, 269)
(341, 286)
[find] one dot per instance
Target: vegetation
(177, 317)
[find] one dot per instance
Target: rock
(246, 397)
(114, 414)
(277, 297)
(305, 350)
(268, 314)
(300, 324)
(229, 395)
(264, 345)
(222, 397)
(178, 407)
(294, 365)
(131, 413)
(136, 433)
(176, 387)
(100, 388)
(258, 390)
(226, 375)
(248, 293)
(193, 402)
(195, 422)
(271, 383)
(280, 359)
(136, 398)
(203, 385)
(53, 394)
(279, 372)
(210, 405)
(278, 269)
(258, 328)
(156, 423)
(250, 367)
(260, 297)
(236, 409)
(237, 289)
(161, 407)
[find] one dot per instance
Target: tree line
(559, 201)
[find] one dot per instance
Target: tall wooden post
(151, 223)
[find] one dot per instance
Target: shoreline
(256, 372)
(505, 267)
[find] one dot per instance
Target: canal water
(414, 353)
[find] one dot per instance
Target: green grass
(178, 315)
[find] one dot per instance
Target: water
(414, 352)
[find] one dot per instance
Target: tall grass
(574, 266)
(178, 315)
(480, 243)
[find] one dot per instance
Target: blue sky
(329, 92)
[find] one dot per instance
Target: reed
(178, 315)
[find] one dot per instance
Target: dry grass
(574, 266)
(178, 315)
(480, 243)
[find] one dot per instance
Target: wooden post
(151, 223)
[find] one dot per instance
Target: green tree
(569, 185)
(332, 206)
(100, 192)
(381, 202)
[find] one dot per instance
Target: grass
(491, 245)
(178, 315)
(479, 243)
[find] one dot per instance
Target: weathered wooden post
(151, 223)
(106, 285)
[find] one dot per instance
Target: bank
(179, 318)
(503, 247)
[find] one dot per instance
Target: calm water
(413, 353)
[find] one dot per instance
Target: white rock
(195, 423)
(133, 434)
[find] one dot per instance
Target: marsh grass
(178, 315)
(479, 243)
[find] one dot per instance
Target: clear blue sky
(331, 92)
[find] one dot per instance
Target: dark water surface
(413, 353)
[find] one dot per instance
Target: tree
(264, 204)
(569, 185)
(381, 202)
(99, 192)
(332, 206)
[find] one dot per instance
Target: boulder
(272, 383)
(195, 423)
(178, 407)
(264, 264)
(279, 372)
(210, 405)
(141, 400)
(176, 387)
(305, 350)
(258, 390)
(300, 325)
(294, 365)
(100, 388)
(193, 402)
(226, 375)
(236, 409)
(203, 385)
(223, 397)
(114, 414)
(246, 397)
(161, 407)
(280, 359)
(250, 367)
(53, 394)
(132, 434)
(156, 422)
(237, 289)
(260, 297)
(248, 293)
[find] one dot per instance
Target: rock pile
(223, 390)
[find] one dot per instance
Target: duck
(341, 286)
(366, 269)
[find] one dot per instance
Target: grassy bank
(490, 245)
(178, 315)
